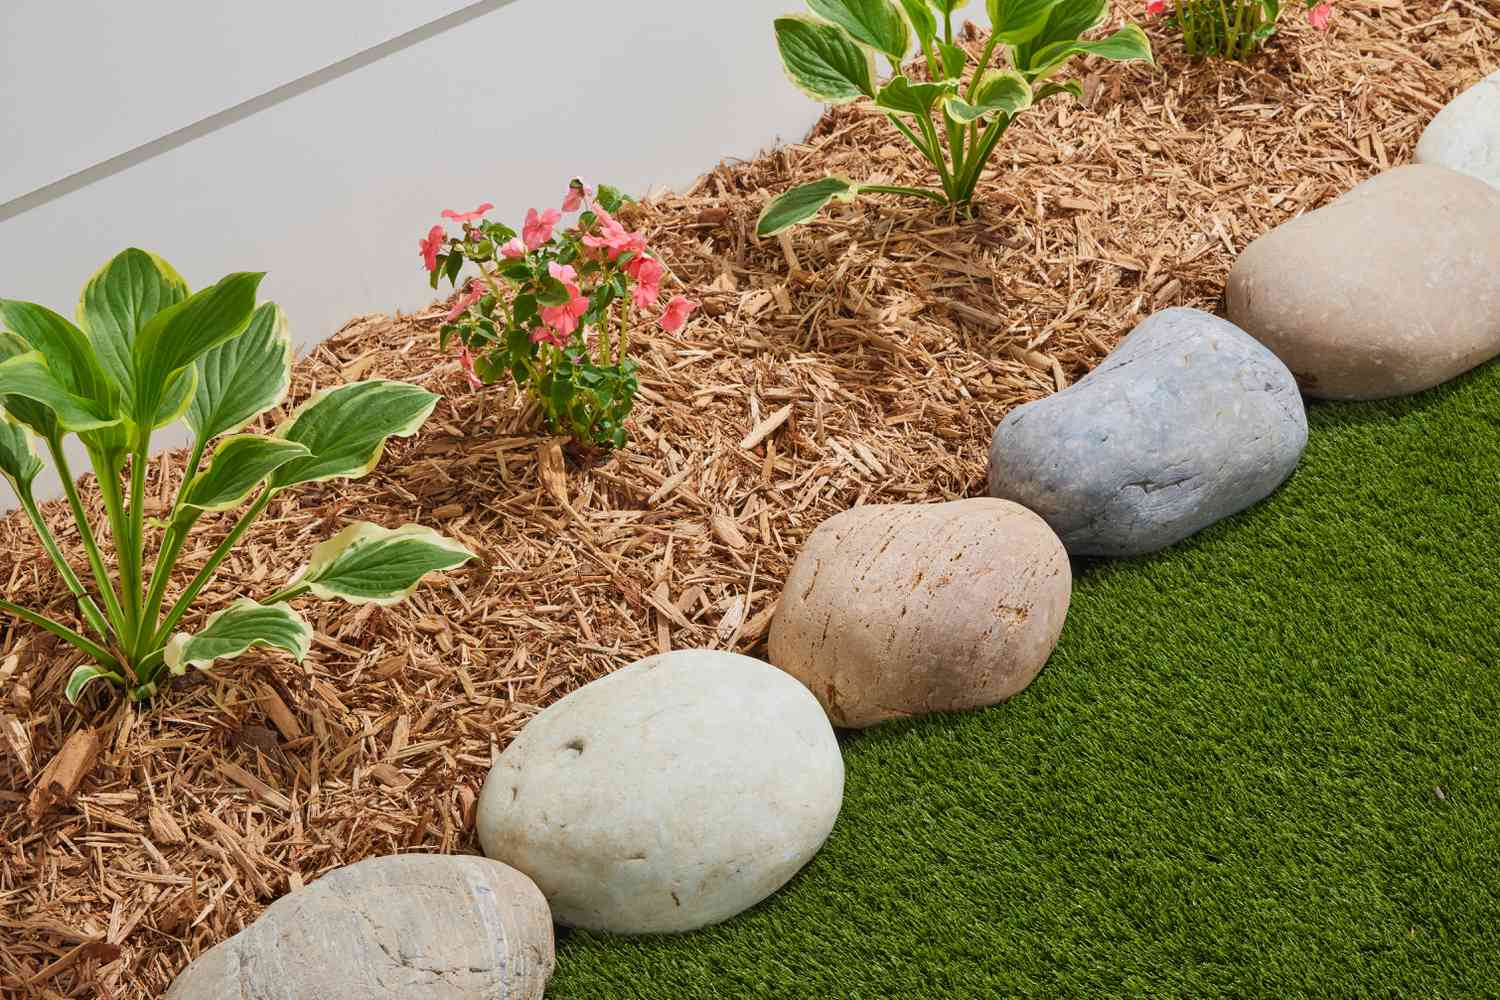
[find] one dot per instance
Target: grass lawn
(1265, 763)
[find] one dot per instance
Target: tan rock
(896, 611)
(1392, 289)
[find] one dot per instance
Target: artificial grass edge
(1262, 763)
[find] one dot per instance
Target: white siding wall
(330, 188)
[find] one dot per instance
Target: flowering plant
(144, 353)
(540, 296)
(831, 57)
(1234, 29)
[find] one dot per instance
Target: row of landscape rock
(690, 786)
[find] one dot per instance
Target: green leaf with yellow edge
(244, 377)
(19, 463)
(28, 376)
(903, 96)
(345, 429)
(368, 564)
(175, 338)
(1016, 21)
(234, 630)
(998, 91)
(241, 463)
(802, 203)
(1129, 44)
(876, 23)
(116, 304)
(922, 21)
(85, 675)
(823, 61)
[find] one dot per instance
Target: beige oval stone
(1391, 289)
(897, 611)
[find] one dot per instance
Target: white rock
(394, 928)
(1465, 135)
(669, 795)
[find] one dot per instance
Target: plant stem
(200, 581)
(86, 532)
(984, 61)
(979, 156)
(921, 144)
(161, 574)
(291, 593)
(132, 557)
(936, 196)
(95, 651)
(90, 609)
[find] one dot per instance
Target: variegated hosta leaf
(118, 301)
(999, 91)
(823, 61)
(876, 23)
(70, 362)
(83, 676)
(904, 97)
(28, 376)
(244, 377)
(1017, 21)
(235, 629)
(345, 429)
(922, 21)
(172, 340)
(1129, 44)
(18, 462)
(1066, 22)
(802, 203)
(241, 463)
(368, 564)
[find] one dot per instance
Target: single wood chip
(65, 772)
(766, 428)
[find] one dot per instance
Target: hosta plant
(1231, 29)
(954, 113)
(553, 308)
(144, 352)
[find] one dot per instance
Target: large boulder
(895, 611)
(1465, 135)
(1189, 420)
(413, 925)
(1391, 289)
(669, 795)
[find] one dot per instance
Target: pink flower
(547, 335)
(578, 193)
(1156, 7)
(467, 216)
(473, 295)
(676, 313)
(515, 248)
(615, 237)
(466, 362)
(563, 319)
(1320, 15)
(431, 245)
(538, 228)
(648, 275)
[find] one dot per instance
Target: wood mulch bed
(864, 359)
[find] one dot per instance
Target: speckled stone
(1391, 289)
(1465, 135)
(1189, 420)
(898, 610)
(672, 794)
(415, 925)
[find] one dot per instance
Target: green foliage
(149, 351)
(831, 57)
(1227, 29)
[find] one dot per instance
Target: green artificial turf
(1264, 763)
